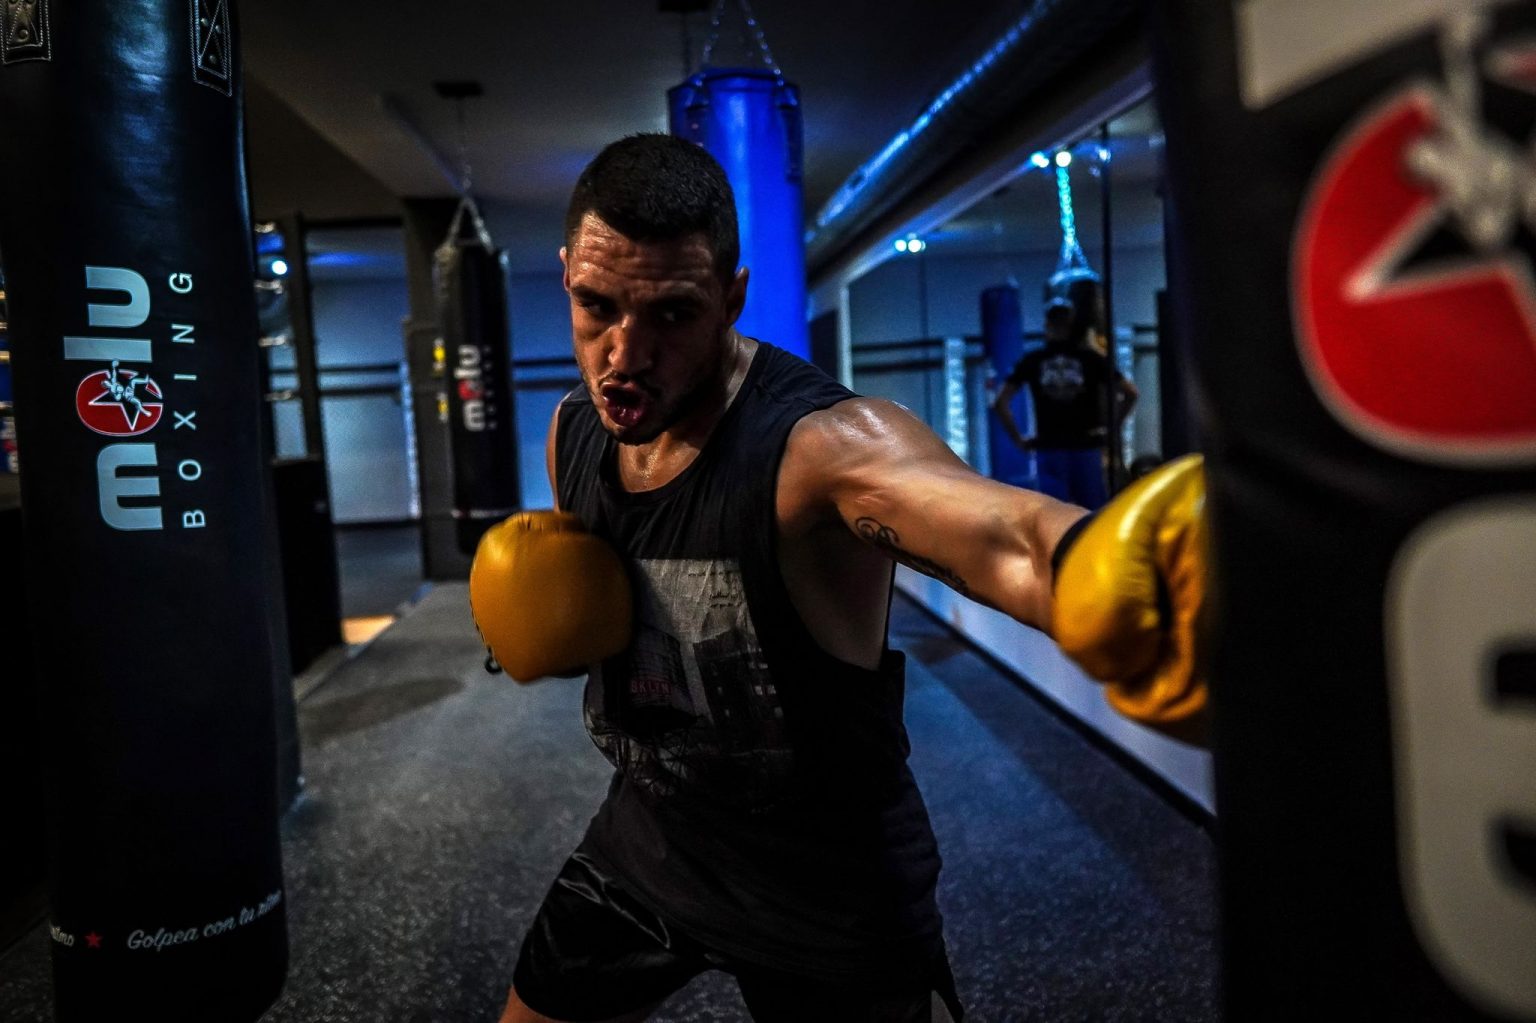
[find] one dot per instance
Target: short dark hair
(1059, 313)
(654, 187)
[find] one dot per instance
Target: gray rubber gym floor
(439, 802)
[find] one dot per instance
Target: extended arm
(1129, 598)
(889, 479)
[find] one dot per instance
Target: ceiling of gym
(561, 79)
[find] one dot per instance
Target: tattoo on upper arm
(885, 538)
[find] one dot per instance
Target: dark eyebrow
(678, 297)
(681, 295)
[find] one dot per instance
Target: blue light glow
(357, 261)
(1063, 159)
(1040, 160)
(872, 167)
(901, 245)
(280, 267)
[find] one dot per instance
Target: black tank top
(762, 800)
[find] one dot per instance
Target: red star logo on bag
(1415, 302)
(119, 402)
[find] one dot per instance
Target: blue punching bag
(132, 318)
(749, 120)
(1002, 328)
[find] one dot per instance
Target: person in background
(1069, 381)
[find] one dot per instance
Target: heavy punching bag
(1083, 290)
(1352, 203)
(469, 277)
(128, 255)
(749, 119)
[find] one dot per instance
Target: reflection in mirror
(1083, 226)
(1137, 276)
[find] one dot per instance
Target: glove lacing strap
(492, 666)
(1066, 541)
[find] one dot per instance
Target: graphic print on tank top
(690, 708)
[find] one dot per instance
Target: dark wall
(294, 169)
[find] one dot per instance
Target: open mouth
(625, 406)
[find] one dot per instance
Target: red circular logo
(1430, 358)
(119, 402)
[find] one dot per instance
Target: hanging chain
(752, 23)
(1068, 213)
(1072, 255)
(466, 183)
(762, 41)
(714, 33)
(466, 178)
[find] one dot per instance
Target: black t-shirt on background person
(1068, 386)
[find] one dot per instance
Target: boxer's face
(650, 322)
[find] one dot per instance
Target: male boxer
(739, 513)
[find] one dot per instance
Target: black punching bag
(127, 243)
(1351, 189)
(471, 285)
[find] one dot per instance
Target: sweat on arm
(887, 476)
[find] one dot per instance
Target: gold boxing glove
(547, 596)
(1128, 596)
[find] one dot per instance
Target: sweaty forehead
(598, 253)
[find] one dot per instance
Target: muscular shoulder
(821, 447)
(849, 446)
(845, 426)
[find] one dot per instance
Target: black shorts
(594, 952)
